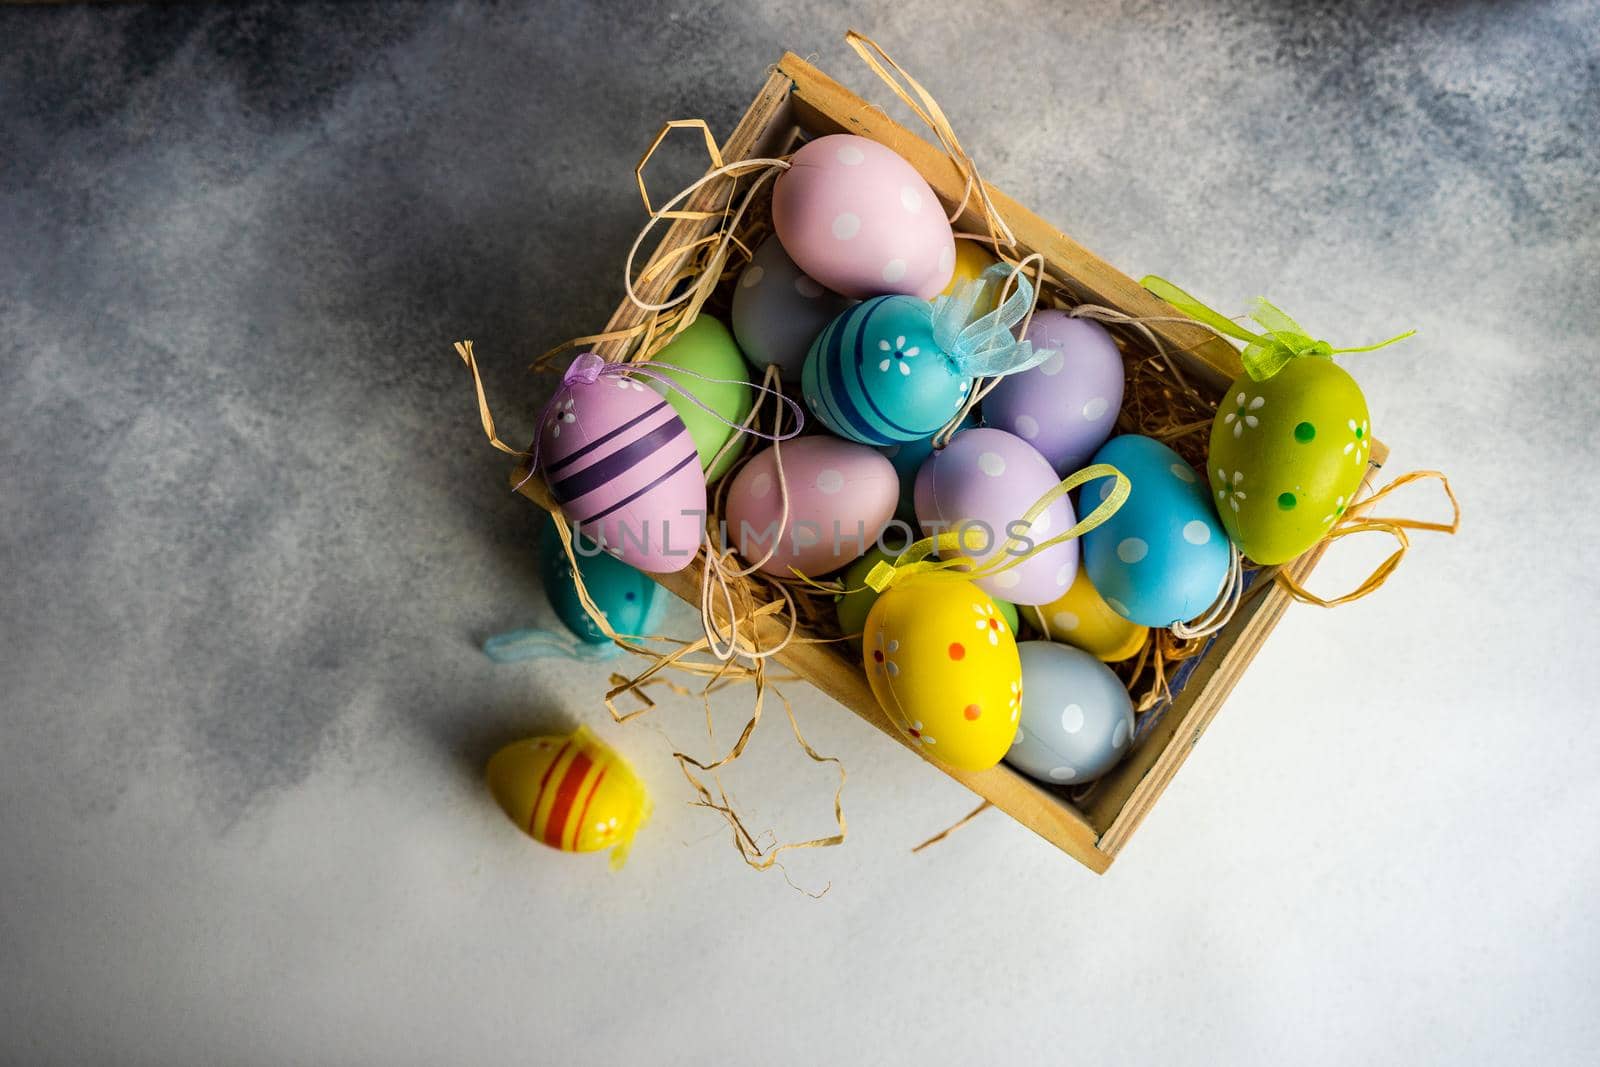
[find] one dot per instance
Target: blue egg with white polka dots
(630, 599)
(1163, 557)
(1077, 718)
(876, 376)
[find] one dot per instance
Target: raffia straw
(754, 854)
(953, 827)
(1394, 527)
(702, 260)
(926, 108)
(464, 350)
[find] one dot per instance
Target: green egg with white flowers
(1287, 456)
(706, 348)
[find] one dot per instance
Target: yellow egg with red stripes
(570, 792)
(944, 666)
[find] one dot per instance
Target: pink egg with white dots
(841, 495)
(859, 219)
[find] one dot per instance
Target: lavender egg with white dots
(778, 310)
(981, 485)
(1067, 406)
(1077, 719)
(908, 458)
(1163, 557)
(860, 220)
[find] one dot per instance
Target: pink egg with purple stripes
(1067, 406)
(980, 485)
(860, 220)
(624, 469)
(840, 496)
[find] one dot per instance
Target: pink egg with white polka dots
(841, 495)
(860, 220)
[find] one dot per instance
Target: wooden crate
(798, 100)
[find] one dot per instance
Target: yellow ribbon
(914, 560)
(1265, 354)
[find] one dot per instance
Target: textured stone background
(252, 535)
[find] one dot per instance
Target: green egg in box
(1287, 455)
(706, 347)
(1291, 438)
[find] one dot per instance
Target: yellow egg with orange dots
(570, 792)
(944, 666)
(1082, 618)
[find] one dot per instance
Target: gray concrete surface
(251, 535)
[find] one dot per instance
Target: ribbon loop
(667, 378)
(584, 369)
(1264, 354)
(881, 574)
(515, 646)
(982, 346)
(914, 560)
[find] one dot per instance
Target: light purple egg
(623, 467)
(1067, 406)
(778, 310)
(988, 479)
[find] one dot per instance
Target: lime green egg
(707, 348)
(1287, 456)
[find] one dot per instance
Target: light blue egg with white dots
(1077, 718)
(875, 375)
(1163, 557)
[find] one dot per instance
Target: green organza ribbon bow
(1265, 354)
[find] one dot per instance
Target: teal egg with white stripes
(876, 375)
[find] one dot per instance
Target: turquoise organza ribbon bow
(1265, 354)
(983, 346)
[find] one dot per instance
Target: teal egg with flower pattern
(877, 376)
(1287, 456)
